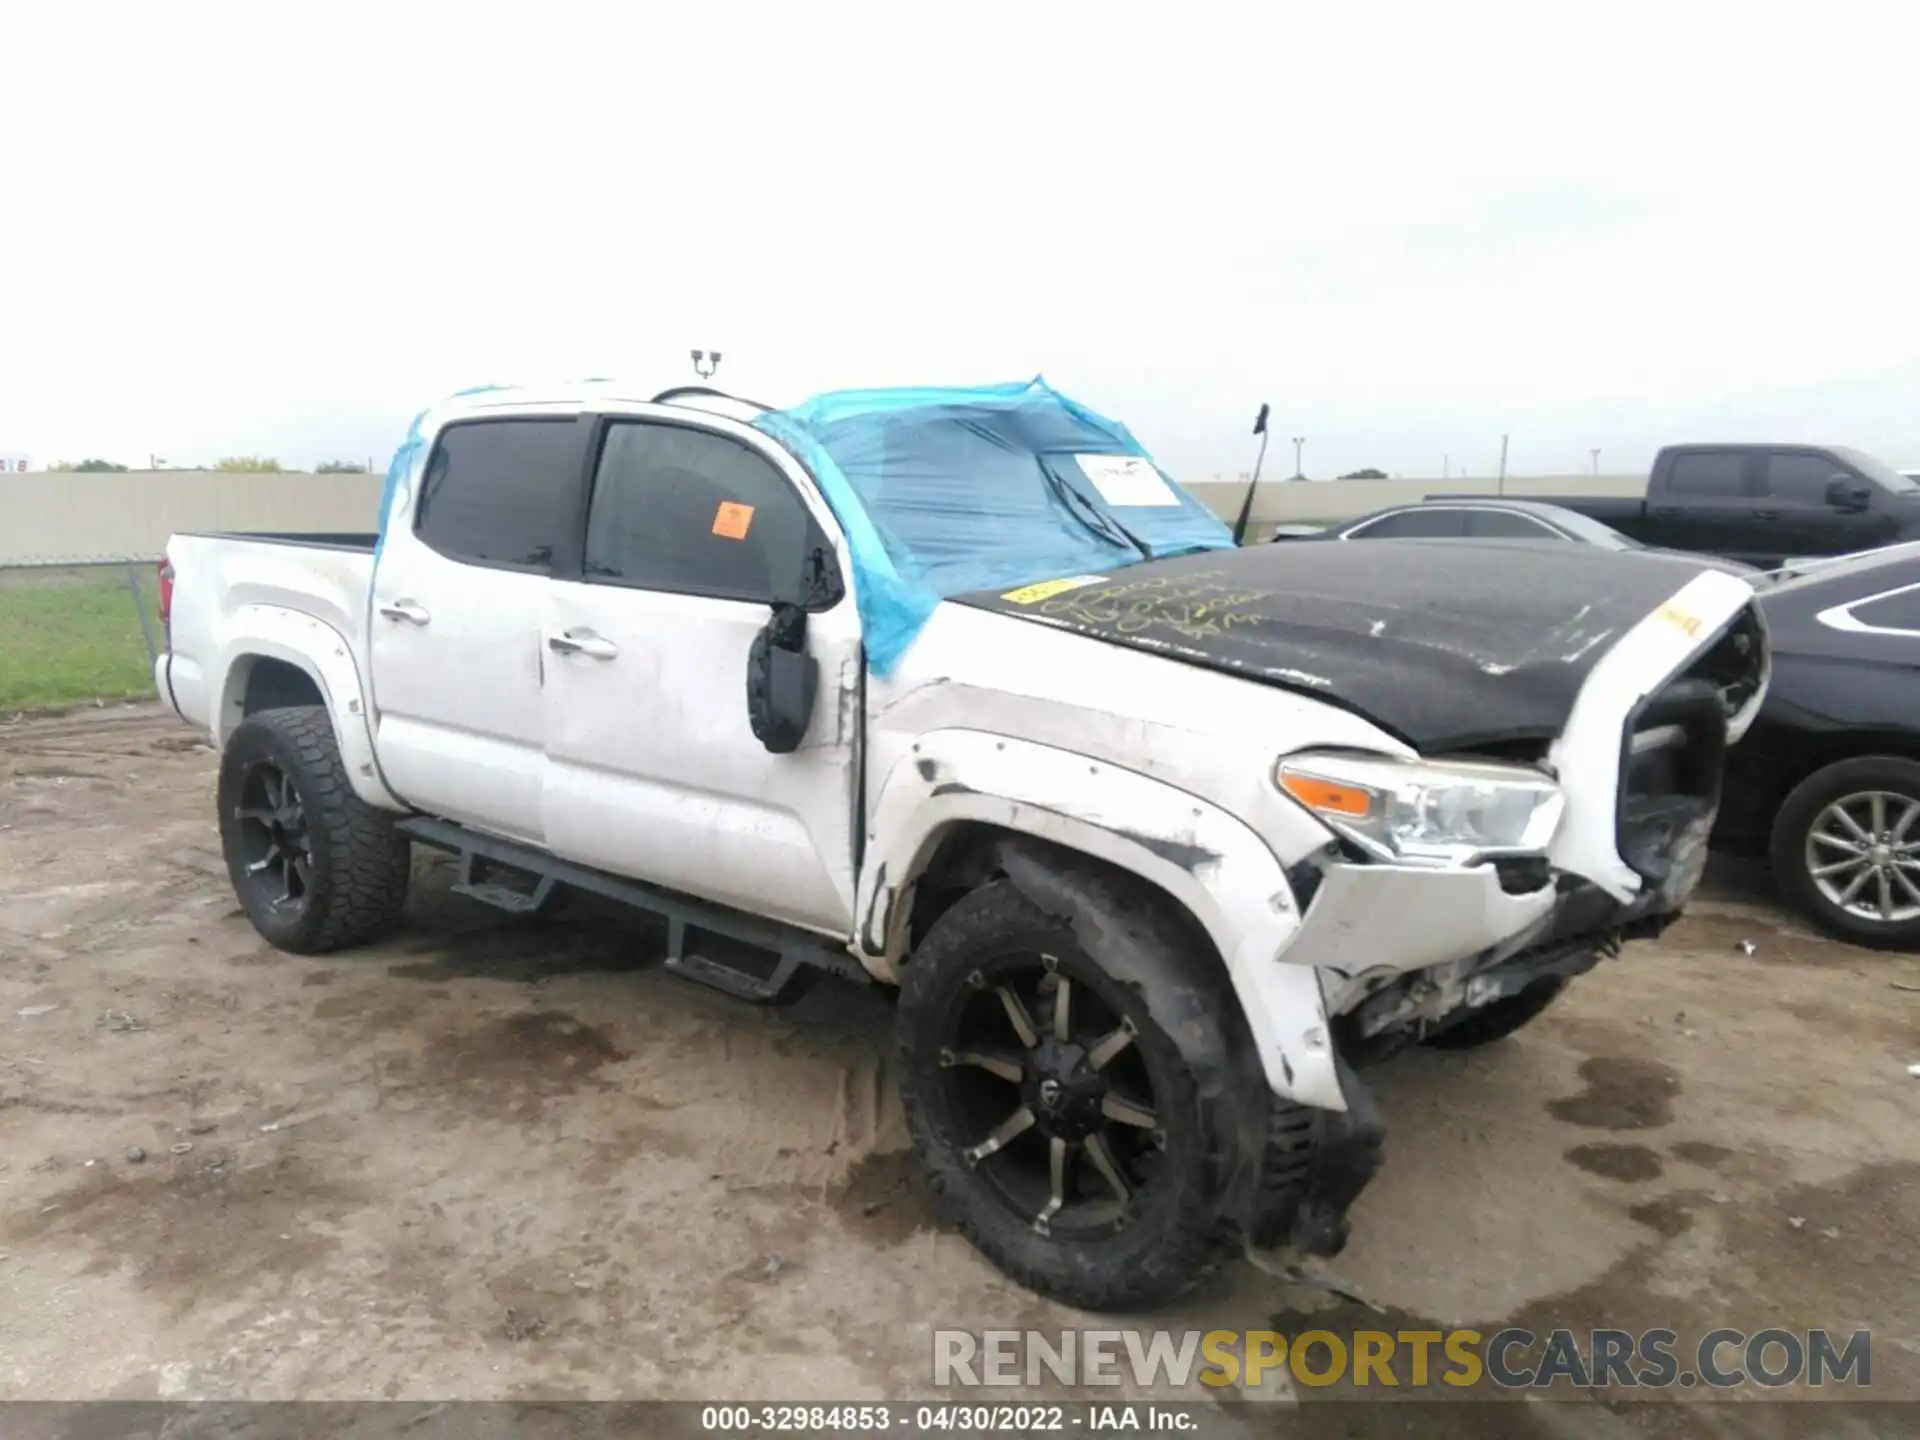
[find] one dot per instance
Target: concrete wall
(1294, 501)
(60, 517)
(65, 518)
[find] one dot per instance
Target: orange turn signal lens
(1318, 794)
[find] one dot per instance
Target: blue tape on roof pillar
(396, 470)
(402, 462)
(946, 491)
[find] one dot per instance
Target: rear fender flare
(277, 633)
(1210, 863)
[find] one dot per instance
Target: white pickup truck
(954, 691)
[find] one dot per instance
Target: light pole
(705, 363)
(1596, 459)
(1298, 441)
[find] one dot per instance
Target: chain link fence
(72, 634)
(79, 554)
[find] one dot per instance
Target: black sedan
(1493, 518)
(1827, 781)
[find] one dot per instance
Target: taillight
(166, 594)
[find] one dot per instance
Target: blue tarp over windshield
(946, 491)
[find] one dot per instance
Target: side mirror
(782, 681)
(1846, 493)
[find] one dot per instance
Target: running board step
(502, 897)
(480, 880)
(746, 956)
(757, 973)
(784, 983)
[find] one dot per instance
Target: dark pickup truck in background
(1762, 504)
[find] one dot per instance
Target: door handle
(582, 642)
(405, 610)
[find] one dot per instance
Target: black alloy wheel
(1063, 1105)
(276, 852)
(1077, 1080)
(314, 867)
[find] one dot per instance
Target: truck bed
(229, 584)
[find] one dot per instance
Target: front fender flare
(278, 633)
(1204, 858)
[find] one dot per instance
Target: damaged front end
(1418, 946)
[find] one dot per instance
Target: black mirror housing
(1844, 492)
(783, 681)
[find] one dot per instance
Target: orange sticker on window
(732, 520)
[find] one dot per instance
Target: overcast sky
(281, 230)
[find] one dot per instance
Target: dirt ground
(499, 1159)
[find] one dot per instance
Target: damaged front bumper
(1396, 945)
(1404, 951)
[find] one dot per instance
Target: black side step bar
(475, 886)
(746, 956)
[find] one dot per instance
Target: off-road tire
(1499, 1019)
(1787, 852)
(359, 864)
(1150, 970)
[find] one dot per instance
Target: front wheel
(1067, 1097)
(314, 866)
(1846, 848)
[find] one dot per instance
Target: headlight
(1423, 811)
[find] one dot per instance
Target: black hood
(1448, 644)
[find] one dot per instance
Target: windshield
(947, 491)
(969, 498)
(1878, 471)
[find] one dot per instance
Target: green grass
(70, 636)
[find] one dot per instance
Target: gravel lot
(497, 1159)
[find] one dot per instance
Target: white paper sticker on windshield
(1126, 480)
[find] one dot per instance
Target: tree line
(232, 464)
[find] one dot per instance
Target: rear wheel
(1846, 849)
(314, 866)
(1066, 1098)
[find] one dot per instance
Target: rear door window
(500, 493)
(1708, 473)
(1414, 525)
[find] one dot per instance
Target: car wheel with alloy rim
(315, 867)
(1846, 847)
(1070, 1095)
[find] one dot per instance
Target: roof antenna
(1246, 507)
